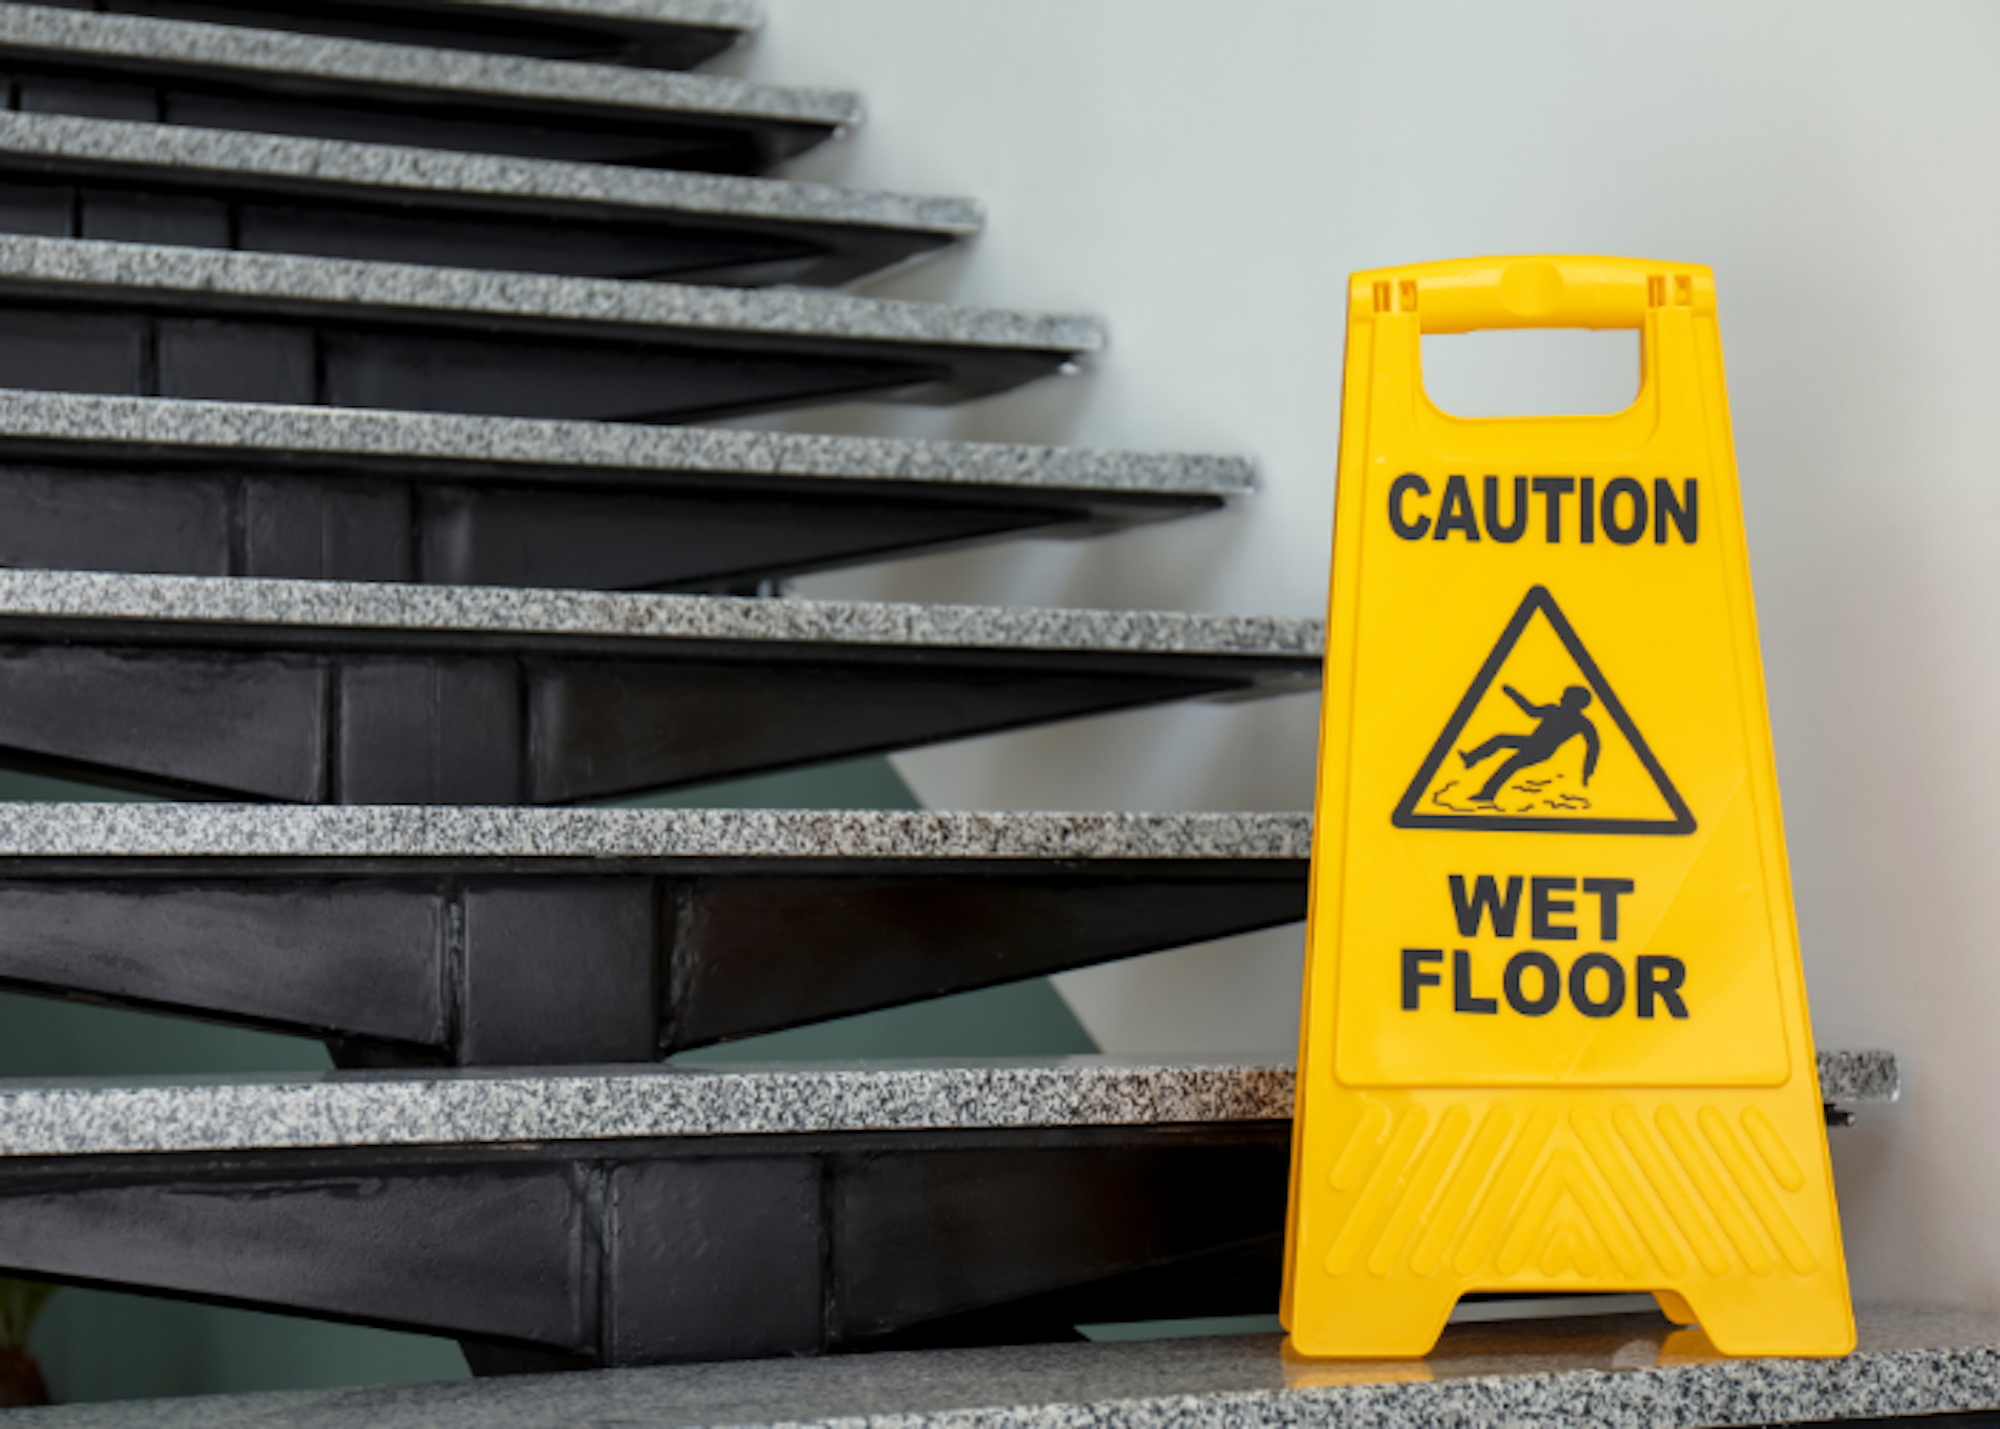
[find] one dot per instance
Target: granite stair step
(672, 1214)
(125, 319)
(154, 485)
(350, 693)
(1912, 1363)
(546, 937)
(650, 34)
(67, 176)
(63, 176)
(228, 76)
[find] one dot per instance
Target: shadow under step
(330, 692)
(197, 488)
(650, 34)
(1937, 1363)
(671, 1214)
(69, 177)
(547, 937)
(137, 320)
(169, 71)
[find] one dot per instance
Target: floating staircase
(340, 347)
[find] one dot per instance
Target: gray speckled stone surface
(487, 610)
(94, 1116)
(216, 278)
(1860, 1077)
(254, 831)
(414, 442)
(91, 1116)
(715, 14)
(88, 1116)
(241, 53)
(1618, 1371)
(388, 170)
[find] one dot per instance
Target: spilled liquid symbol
(1541, 793)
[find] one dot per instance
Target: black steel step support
(358, 728)
(689, 534)
(510, 962)
(649, 1252)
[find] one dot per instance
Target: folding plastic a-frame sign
(1555, 1031)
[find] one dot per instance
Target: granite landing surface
(83, 1116)
(1610, 1370)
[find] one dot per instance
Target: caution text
(1554, 509)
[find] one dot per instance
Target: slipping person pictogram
(1583, 768)
(1558, 725)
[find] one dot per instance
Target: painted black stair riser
(502, 962)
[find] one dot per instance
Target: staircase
(339, 501)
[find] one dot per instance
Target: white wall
(1204, 175)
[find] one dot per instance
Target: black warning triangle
(1414, 812)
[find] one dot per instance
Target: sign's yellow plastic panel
(1555, 1033)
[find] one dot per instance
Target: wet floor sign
(1555, 1033)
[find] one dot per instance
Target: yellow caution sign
(1555, 1033)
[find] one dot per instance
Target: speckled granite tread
(94, 1116)
(487, 610)
(253, 831)
(711, 14)
(239, 53)
(387, 170)
(1620, 1371)
(418, 443)
(1853, 1077)
(99, 271)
